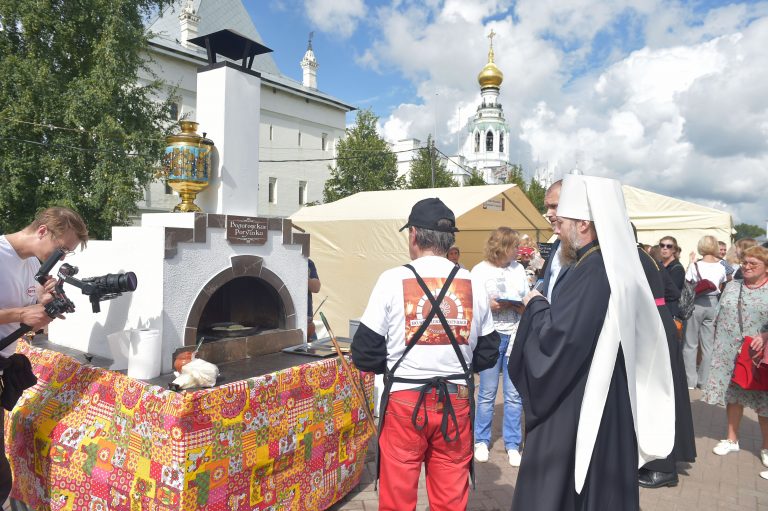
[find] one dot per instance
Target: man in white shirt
(553, 265)
(427, 326)
(22, 299)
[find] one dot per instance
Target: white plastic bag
(197, 373)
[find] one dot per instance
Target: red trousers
(402, 450)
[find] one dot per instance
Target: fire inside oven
(242, 307)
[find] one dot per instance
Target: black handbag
(16, 378)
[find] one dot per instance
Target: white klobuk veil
(632, 321)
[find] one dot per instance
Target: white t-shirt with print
(17, 286)
(398, 306)
(509, 282)
(714, 272)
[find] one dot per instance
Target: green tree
(516, 176)
(475, 178)
(364, 162)
(532, 189)
(535, 193)
(748, 231)
(76, 129)
(422, 163)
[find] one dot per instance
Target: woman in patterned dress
(719, 390)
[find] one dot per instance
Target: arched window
(489, 141)
(477, 142)
(501, 142)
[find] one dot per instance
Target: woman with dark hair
(505, 281)
(670, 258)
(669, 252)
(743, 311)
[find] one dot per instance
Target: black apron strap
(435, 303)
(389, 377)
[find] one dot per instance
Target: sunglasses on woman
(666, 245)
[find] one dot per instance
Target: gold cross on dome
(491, 35)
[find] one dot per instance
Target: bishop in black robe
(549, 365)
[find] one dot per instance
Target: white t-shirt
(398, 306)
(555, 266)
(509, 282)
(17, 286)
(714, 272)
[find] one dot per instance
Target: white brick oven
(192, 271)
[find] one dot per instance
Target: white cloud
(575, 21)
(689, 121)
(685, 115)
(474, 11)
(675, 24)
(335, 16)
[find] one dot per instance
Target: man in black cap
(426, 329)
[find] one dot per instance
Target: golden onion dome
(490, 75)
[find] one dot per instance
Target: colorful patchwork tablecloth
(86, 438)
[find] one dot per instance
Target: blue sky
(285, 29)
(661, 94)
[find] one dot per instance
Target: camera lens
(115, 282)
(127, 282)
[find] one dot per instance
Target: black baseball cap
(428, 212)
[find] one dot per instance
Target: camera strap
(14, 336)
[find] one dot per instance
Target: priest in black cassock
(592, 368)
(663, 472)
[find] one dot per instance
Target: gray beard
(569, 248)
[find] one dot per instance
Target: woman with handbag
(743, 311)
(709, 276)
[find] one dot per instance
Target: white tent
(356, 238)
(656, 216)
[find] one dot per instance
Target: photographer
(22, 299)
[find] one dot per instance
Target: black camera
(98, 289)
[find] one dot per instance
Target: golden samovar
(187, 164)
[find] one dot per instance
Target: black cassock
(549, 365)
(685, 440)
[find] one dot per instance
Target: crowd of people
(731, 311)
(597, 341)
(570, 331)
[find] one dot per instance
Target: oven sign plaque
(247, 230)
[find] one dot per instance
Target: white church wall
(288, 117)
(288, 114)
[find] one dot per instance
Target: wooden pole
(355, 389)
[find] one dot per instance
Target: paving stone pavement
(712, 483)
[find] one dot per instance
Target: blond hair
(743, 244)
(60, 220)
(499, 243)
(708, 246)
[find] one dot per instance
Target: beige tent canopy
(356, 238)
(656, 216)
